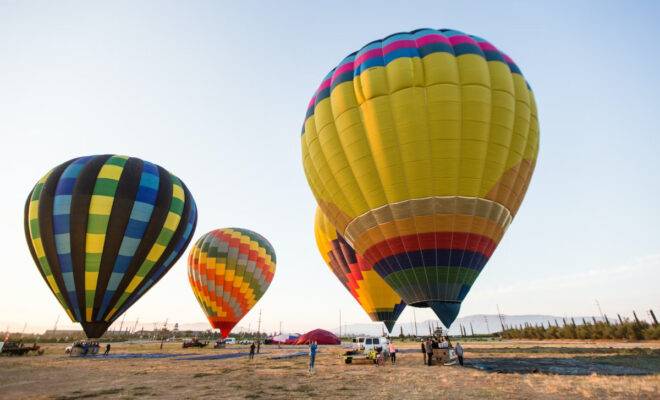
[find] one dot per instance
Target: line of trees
(625, 329)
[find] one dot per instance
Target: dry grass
(55, 377)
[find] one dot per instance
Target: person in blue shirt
(312, 355)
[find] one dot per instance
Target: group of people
(442, 343)
(90, 347)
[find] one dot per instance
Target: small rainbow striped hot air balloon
(419, 149)
(103, 229)
(229, 270)
(367, 287)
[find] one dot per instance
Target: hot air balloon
(419, 149)
(367, 287)
(229, 270)
(103, 229)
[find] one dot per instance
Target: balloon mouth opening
(424, 304)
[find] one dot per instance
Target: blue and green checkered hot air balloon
(103, 229)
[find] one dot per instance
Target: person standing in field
(392, 352)
(429, 352)
(424, 352)
(459, 353)
(312, 355)
(107, 349)
(252, 347)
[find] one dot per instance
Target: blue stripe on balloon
(407, 52)
(431, 258)
(62, 205)
(128, 246)
(492, 55)
(370, 63)
(65, 186)
(62, 227)
(468, 48)
(142, 210)
(435, 48)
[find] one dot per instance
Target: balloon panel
(229, 270)
(419, 149)
(103, 229)
(375, 296)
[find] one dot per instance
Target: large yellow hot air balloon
(367, 287)
(419, 149)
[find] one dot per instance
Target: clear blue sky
(216, 92)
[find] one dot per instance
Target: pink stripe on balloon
(428, 39)
(344, 68)
(311, 102)
(461, 39)
(487, 46)
(399, 44)
(377, 52)
(325, 84)
(508, 59)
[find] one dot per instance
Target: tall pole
(415, 318)
(486, 321)
(135, 327)
(599, 310)
(121, 324)
(259, 333)
(499, 313)
(56, 321)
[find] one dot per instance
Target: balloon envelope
(367, 287)
(103, 229)
(419, 149)
(229, 270)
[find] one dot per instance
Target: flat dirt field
(502, 369)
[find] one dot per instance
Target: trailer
(19, 349)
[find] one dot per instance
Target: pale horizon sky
(216, 92)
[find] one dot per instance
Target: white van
(371, 343)
(230, 340)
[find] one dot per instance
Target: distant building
(63, 332)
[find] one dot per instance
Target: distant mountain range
(473, 324)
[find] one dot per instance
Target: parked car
(230, 340)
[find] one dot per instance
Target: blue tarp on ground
(297, 354)
(130, 355)
(217, 356)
